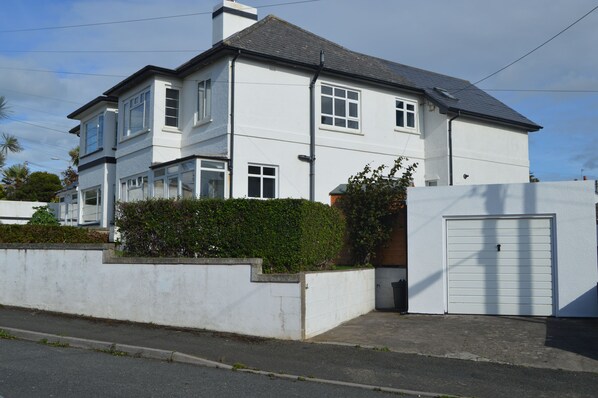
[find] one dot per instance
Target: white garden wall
(332, 298)
(13, 212)
(571, 206)
(228, 295)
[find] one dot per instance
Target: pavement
(551, 343)
(414, 355)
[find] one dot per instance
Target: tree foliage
(43, 216)
(70, 175)
(13, 178)
(372, 199)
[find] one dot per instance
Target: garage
(500, 266)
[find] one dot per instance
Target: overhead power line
(529, 52)
(61, 72)
(42, 96)
(125, 21)
(37, 125)
(98, 51)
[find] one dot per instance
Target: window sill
(137, 134)
(202, 122)
(92, 153)
(340, 129)
(168, 129)
(407, 130)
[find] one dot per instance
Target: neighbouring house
(272, 110)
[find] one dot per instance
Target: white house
(272, 110)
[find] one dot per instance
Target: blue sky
(464, 38)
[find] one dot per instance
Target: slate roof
(275, 39)
(279, 39)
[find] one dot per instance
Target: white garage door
(500, 266)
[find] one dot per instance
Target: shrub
(49, 234)
(370, 203)
(43, 216)
(290, 235)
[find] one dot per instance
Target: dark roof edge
(75, 130)
(93, 102)
(141, 74)
(186, 158)
(530, 127)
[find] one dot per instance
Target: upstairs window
(137, 113)
(172, 108)
(261, 181)
(340, 107)
(406, 114)
(204, 101)
(94, 134)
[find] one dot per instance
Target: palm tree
(9, 143)
(74, 154)
(14, 177)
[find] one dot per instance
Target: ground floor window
(262, 181)
(180, 180)
(134, 188)
(91, 211)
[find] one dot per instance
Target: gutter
(450, 146)
(232, 125)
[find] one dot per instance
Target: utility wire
(61, 72)
(43, 96)
(144, 19)
(98, 51)
(529, 52)
(36, 125)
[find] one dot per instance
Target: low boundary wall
(227, 295)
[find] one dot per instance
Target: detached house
(274, 111)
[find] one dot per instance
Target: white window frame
(98, 120)
(172, 172)
(203, 106)
(141, 99)
(204, 168)
(402, 106)
(345, 114)
(134, 183)
(167, 117)
(98, 206)
(263, 177)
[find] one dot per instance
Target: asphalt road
(35, 370)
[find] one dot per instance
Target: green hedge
(290, 235)
(49, 234)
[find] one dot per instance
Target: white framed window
(406, 114)
(339, 107)
(262, 181)
(137, 111)
(134, 188)
(91, 210)
(171, 113)
(211, 179)
(93, 134)
(431, 183)
(203, 111)
(176, 181)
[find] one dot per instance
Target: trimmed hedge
(49, 234)
(290, 235)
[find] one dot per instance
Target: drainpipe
(232, 125)
(450, 145)
(312, 131)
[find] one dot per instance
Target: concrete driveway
(555, 343)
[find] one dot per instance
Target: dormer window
(93, 134)
(137, 113)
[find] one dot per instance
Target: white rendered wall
(571, 204)
(212, 296)
(272, 131)
(488, 154)
(13, 212)
(332, 298)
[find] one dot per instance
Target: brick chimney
(230, 17)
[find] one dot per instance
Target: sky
(468, 39)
